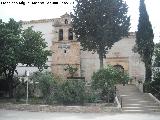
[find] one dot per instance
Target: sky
(28, 11)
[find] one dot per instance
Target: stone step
(147, 106)
(138, 107)
(135, 101)
(141, 111)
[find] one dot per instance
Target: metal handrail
(118, 96)
(155, 89)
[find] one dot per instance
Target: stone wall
(94, 108)
(120, 54)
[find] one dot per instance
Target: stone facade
(66, 50)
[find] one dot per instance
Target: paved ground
(19, 115)
(135, 101)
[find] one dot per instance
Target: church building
(68, 51)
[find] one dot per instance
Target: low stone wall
(95, 108)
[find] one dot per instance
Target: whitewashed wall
(47, 30)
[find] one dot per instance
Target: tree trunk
(9, 78)
(148, 73)
(101, 60)
(10, 90)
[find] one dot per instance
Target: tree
(105, 79)
(13, 49)
(10, 41)
(33, 51)
(157, 55)
(144, 40)
(98, 24)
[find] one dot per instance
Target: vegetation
(98, 24)
(20, 46)
(72, 70)
(55, 90)
(155, 89)
(46, 83)
(154, 85)
(71, 92)
(105, 79)
(144, 40)
(157, 55)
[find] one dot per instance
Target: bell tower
(66, 49)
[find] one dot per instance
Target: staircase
(135, 101)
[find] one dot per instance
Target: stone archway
(120, 62)
(119, 67)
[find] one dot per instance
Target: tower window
(60, 34)
(70, 34)
(66, 21)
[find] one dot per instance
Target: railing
(154, 91)
(119, 97)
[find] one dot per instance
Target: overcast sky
(31, 11)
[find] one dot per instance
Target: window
(70, 34)
(66, 21)
(60, 34)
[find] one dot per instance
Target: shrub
(154, 86)
(21, 89)
(105, 79)
(47, 83)
(72, 70)
(71, 91)
(92, 97)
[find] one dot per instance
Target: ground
(19, 115)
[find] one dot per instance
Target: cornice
(37, 21)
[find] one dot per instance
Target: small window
(66, 21)
(70, 34)
(60, 34)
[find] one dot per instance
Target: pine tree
(144, 40)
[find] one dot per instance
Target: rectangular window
(60, 34)
(70, 34)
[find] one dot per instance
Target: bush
(47, 83)
(71, 91)
(93, 97)
(21, 89)
(154, 86)
(105, 79)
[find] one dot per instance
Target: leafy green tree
(14, 46)
(107, 76)
(144, 40)
(105, 79)
(98, 24)
(33, 52)
(10, 40)
(157, 55)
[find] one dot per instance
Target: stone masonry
(68, 51)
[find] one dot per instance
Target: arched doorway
(119, 67)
